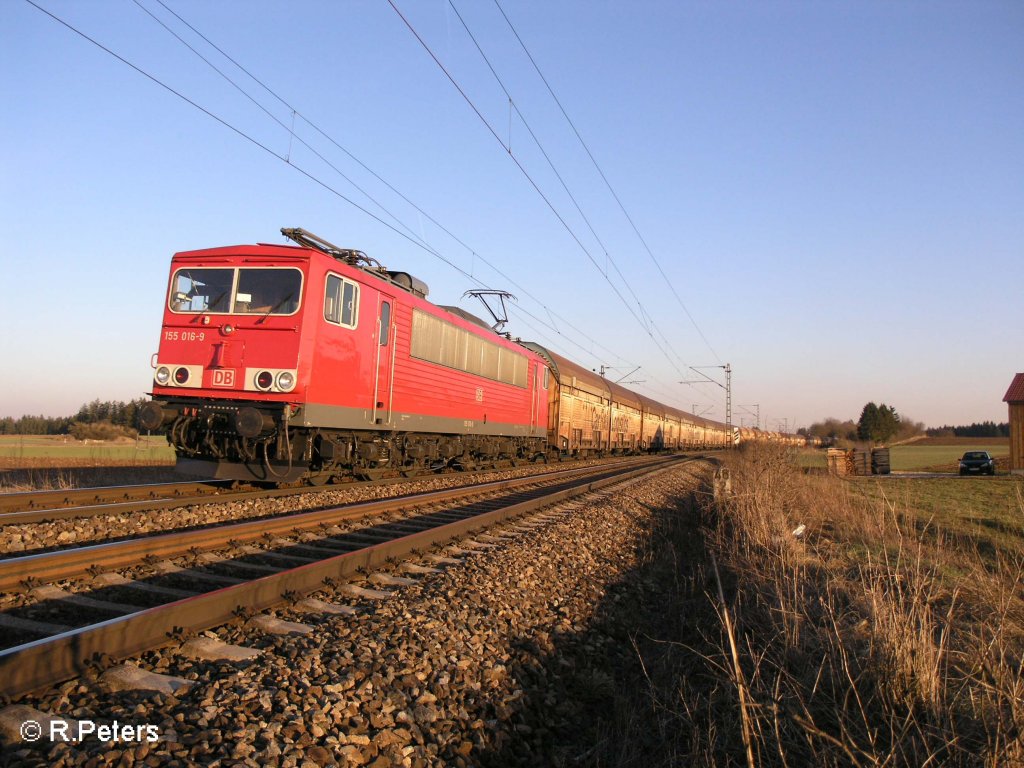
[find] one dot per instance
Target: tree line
(877, 424)
(116, 417)
(881, 423)
(982, 429)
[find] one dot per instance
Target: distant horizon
(854, 419)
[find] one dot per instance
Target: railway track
(194, 580)
(41, 506)
(37, 506)
(38, 531)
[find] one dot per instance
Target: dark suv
(977, 463)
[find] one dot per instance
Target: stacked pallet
(880, 461)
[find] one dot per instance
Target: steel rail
(18, 573)
(152, 500)
(48, 661)
(44, 506)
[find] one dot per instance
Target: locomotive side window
(385, 322)
(238, 291)
(437, 341)
(490, 361)
(341, 301)
(449, 352)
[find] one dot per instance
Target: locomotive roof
(259, 249)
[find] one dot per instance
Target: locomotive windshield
(246, 291)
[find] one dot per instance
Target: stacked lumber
(858, 462)
(840, 462)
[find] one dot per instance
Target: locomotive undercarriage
(257, 443)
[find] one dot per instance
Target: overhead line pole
(727, 387)
(756, 414)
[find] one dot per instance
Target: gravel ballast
(30, 538)
(515, 656)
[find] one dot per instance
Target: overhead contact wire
(268, 113)
(240, 132)
(550, 162)
(522, 169)
(606, 182)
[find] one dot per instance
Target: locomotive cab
(228, 361)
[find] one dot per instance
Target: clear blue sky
(835, 191)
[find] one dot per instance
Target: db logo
(223, 377)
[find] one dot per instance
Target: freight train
(280, 363)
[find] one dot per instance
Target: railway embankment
(518, 654)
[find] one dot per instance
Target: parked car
(977, 463)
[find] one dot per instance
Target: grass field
(19, 451)
(965, 442)
(932, 454)
(917, 456)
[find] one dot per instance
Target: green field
(915, 457)
(910, 457)
(52, 450)
(986, 510)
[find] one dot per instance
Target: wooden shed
(1015, 399)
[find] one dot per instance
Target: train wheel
(320, 478)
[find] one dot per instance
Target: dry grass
(870, 639)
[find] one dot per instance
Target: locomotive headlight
(264, 380)
(285, 380)
(181, 376)
(162, 375)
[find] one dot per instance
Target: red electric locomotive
(282, 362)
